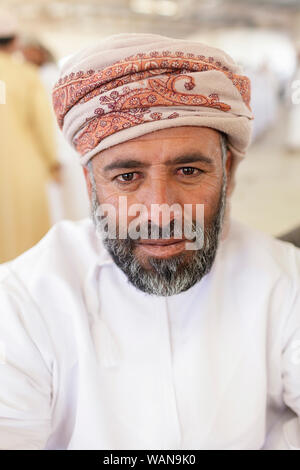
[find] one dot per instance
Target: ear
(87, 180)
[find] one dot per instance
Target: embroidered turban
(132, 84)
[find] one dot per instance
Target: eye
(127, 177)
(189, 171)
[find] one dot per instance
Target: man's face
(181, 166)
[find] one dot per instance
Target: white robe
(90, 362)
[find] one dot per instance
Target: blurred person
(27, 156)
(39, 55)
(35, 52)
(143, 342)
(66, 200)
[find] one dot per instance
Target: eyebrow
(128, 164)
(190, 158)
(131, 163)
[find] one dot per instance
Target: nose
(159, 197)
(159, 192)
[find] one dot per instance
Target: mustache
(150, 230)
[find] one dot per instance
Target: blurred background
(261, 35)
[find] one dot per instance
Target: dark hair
(7, 40)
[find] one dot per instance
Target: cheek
(120, 203)
(107, 192)
(206, 193)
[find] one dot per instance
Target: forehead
(163, 144)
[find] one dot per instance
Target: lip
(162, 248)
(171, 241)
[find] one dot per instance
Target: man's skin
(147, 173)
(34, 55)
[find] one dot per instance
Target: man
(113, 338)
(28, 158)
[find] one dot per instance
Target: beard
(165, 277)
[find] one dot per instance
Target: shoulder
(20, 66)
(44, 290)
(263, 275)
(65, 253)
(29, 70)
(12, 69)
(262, 253)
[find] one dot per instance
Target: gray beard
(167, 276)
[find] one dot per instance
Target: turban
(131, 84)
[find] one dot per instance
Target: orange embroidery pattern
(131, 106)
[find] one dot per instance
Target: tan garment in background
(27, 151)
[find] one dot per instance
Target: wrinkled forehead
(164, 145)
